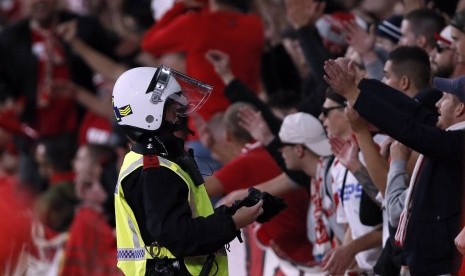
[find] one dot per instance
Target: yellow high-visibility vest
(132, 251)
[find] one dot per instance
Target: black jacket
(159, 199)
(436, 209)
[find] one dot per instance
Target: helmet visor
(193, 93)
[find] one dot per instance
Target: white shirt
(348, 211)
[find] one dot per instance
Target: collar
(167, 146)
(457, 126)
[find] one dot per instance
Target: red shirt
(288, 229)
(246, 170)
(91, 247)
(239, 35)
(15, 221)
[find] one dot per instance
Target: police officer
(165, 224)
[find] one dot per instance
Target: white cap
(446, 36)
(303, 128)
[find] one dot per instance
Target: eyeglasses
(440, 48)
(326, 110)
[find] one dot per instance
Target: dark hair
(413, 62)
(241, 5)
(59, 153)
(55, 207)
(140, 12)
(426, 22)
(332, 95)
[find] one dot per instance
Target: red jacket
(239, 35)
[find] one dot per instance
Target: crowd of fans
(330, 105)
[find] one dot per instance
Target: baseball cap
(458, 20)
(390, 28)
(303, 128)
(453, 86)
(445, 37)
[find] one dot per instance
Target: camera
(272, 205)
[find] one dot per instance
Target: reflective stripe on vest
(132, 251)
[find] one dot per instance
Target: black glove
(272, 205)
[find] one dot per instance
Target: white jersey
(348, 211)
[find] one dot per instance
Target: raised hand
(221, 63)
(399, 151)
(346, 152)
(385, 147)
(303, 12)
(67, 30)
(358, 38)
(342, 77)
(253, 122)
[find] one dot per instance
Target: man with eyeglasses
(443, 57)
(348, 191)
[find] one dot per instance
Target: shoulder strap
(343, 186)
(328, 167)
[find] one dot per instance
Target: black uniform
(159, 200)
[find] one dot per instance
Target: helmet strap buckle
(158, 84)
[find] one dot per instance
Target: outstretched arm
(236, 91)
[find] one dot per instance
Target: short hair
(101, 154)
(332, 95)
(413, 62)
(55, 207)
(231, 122)
(426, 22)
(59, 153)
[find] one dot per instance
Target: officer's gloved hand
(272, 205)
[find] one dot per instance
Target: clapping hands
(342, 77)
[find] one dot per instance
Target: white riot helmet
(140, 95)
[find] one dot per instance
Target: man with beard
(443, 57)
